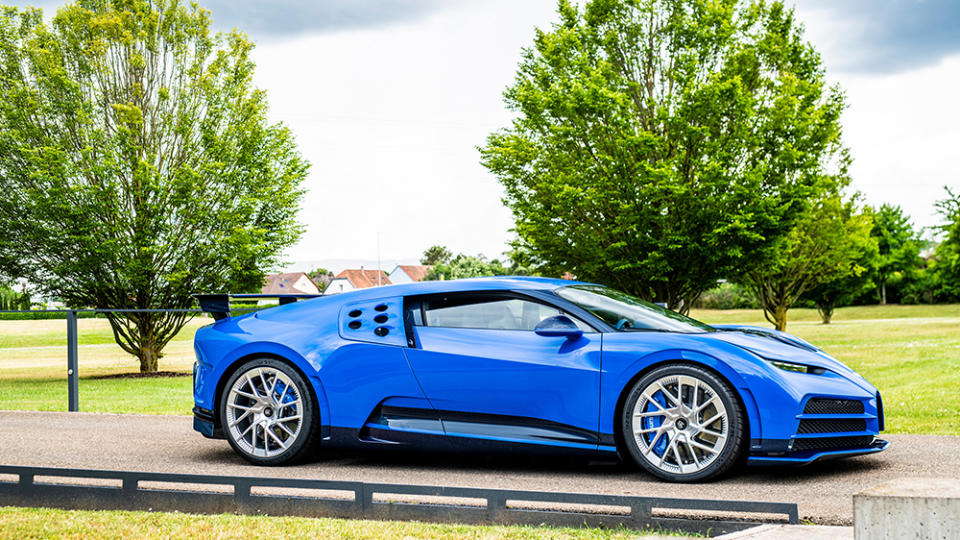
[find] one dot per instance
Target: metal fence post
(73, 379)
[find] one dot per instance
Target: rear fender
(238, 356)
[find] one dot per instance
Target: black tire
(281, 392)
(682, 437)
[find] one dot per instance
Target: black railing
(125, 490)
(73, 346)
(217, 305)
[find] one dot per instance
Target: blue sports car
(523, 363)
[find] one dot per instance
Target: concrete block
(908, 508)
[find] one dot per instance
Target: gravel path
(169, 444)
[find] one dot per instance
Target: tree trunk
(780, 317)
(149, 351)
(826, 312)
(149, 359)
(883, 292)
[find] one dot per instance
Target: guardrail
(217, 305)
(73, 354)
(134, 490)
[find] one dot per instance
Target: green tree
(435, 255)
(946, 261)
(899, 247)
(137, 165)
(660, 145)
(321, 278)
(824, 246)
(465, 266)
(844, 288)
(12, 300)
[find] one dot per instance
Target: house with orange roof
(352, 279)
(290, 283)
(409, 273)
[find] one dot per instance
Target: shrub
(727, 296)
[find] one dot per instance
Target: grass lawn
(161, 395)
(33, 357)
(47, 523)
(911, 353)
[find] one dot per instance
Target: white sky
(391, 118)
(390, 114)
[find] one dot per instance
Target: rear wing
(218, 305)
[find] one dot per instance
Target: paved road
(169, 444)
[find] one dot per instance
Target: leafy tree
(11, 300)
(321, 277)
(137, 165)
(522, 262)
(823, 247)
(727, 296)
(899, 247)
(465, 266)
(946, 262)
(844, 289)
(660, 145)
(435, 255)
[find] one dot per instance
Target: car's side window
(487, 311)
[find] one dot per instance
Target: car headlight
(797, 368)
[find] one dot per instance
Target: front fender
(769, 400)
(621, 375)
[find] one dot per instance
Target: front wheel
(268, 413)
(683, 423)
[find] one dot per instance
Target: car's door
(481, 365)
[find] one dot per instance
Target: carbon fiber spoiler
(218, 305)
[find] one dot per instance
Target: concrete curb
(792, 532)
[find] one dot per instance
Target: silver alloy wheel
(680, 424)
(264, 412)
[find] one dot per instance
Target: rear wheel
(683, 423)
(268, 413)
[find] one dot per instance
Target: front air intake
(833, 406)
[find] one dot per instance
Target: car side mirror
(557, 326)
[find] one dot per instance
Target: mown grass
(33, 370)
(161, 395)
(27, 523)
(911, 353)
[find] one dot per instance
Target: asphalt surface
(169, 444)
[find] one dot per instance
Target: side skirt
(447, 430)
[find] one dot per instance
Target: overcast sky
(389, 100)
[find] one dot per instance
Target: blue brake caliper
(655, 422)
(288, 396)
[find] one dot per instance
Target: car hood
(775, 345)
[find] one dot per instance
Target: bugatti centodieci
(520, 363)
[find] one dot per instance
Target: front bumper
(810, 456)
(826, 428)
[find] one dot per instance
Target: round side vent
(381, 331)
(354, 325)
(355, 313)
(381, 307)
(380, 319)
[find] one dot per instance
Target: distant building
(292, 283)
(352, 279)
(409, 273)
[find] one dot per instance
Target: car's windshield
(628, 313)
